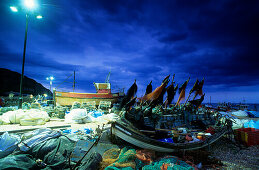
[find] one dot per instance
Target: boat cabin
(102, 87)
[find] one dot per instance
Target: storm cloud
(138, 39)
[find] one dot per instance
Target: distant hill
(10, 82)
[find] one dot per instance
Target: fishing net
(92, 163)
(171, 163)
(145, 156)
(22, 162)
(109, 157)
(119, 159)
(54, 152)
(126, 159)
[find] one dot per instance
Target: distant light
(30, 4)
(39, 17)
(50, 78)
(13, 8)
(45, 95)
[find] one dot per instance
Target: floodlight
(30, 4)
(13, 8)
(39, 17)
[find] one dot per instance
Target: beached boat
(150, 124)
(103, 93)
(126, 131)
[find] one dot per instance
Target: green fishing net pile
(54, 153)
(126, 160)
(173, 164)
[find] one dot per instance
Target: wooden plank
(34, 128)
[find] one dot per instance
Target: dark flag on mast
(149, 88)
(132, 90)
(197, 102)
(182, 92)
(199, 90)
(156, 93)
(130, 94)
(195, 87)
(171, 90)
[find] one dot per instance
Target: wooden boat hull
(124, 130)
(68, 98)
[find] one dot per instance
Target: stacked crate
(247, 136)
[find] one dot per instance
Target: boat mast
(74, 82)
(108, 78)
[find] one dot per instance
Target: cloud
(144, 40)
(172, 37)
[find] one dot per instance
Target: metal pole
(74, 83)
(50, 84)
(187, 99)
(54, 96)
(22, 75)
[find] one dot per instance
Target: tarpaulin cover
(31, 139)
(255, 113)
(8, 143)
(252, 124)
(25, 117)
(239, 113)
(96, 114)
(77, 116)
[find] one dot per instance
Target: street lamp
(51, 78)
(13, 8)
(29, 5)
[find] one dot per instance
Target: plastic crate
(247, 136)
(237, 133)
(252, 138)
(244, 132)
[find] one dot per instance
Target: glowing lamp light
(13, 8)
(30, 4)
(39, 17)
(50, 78)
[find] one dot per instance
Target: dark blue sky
(142, 40)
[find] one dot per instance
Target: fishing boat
(126, 131)
(152, 125)
(103, 93)
(224, 106)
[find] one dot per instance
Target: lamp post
(23, 61)
(51, 78)
(29, 5)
